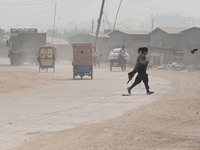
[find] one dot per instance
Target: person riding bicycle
(95, 52)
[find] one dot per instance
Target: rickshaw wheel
(73, 75)
(95, 64)
(99, 64)
(124, 67)
(91, 75)
(111, 64)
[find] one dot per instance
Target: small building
(166, 41)
(131, 39)
(190, 39)
(190, 36)
(169, 37)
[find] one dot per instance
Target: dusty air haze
(46, 110)
(80, 13)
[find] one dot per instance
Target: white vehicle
(115, 60)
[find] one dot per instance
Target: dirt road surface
(48, 111)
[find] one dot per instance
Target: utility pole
(54, 22)
(117, 14)
(92, 26)
(151, 31)
(99, 23)
(152, 25)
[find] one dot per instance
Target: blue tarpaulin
(83, 68)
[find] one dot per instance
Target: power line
(117, 15)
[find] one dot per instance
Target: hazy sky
(40, 13)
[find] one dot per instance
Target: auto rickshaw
(82, 60)
(46, 57)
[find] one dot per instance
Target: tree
(56, 33)
(66, 34)
(73, 32)
(3, 35)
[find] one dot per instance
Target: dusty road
(52, 111)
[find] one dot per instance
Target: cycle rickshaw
(116, 60)
(46, 57)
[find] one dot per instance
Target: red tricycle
(82, 60)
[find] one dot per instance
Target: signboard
(43, 53)
(49, 53)
(46, 53)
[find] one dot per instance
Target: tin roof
(139, 32)
(191, 28)
(100, 34)
(173, 30)
(91, 34)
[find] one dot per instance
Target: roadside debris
(177, 66)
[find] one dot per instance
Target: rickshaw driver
(122, 53)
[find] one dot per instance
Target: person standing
(141, 67)
(95, 55)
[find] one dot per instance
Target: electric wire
(13, 12)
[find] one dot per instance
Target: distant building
(172, 20)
